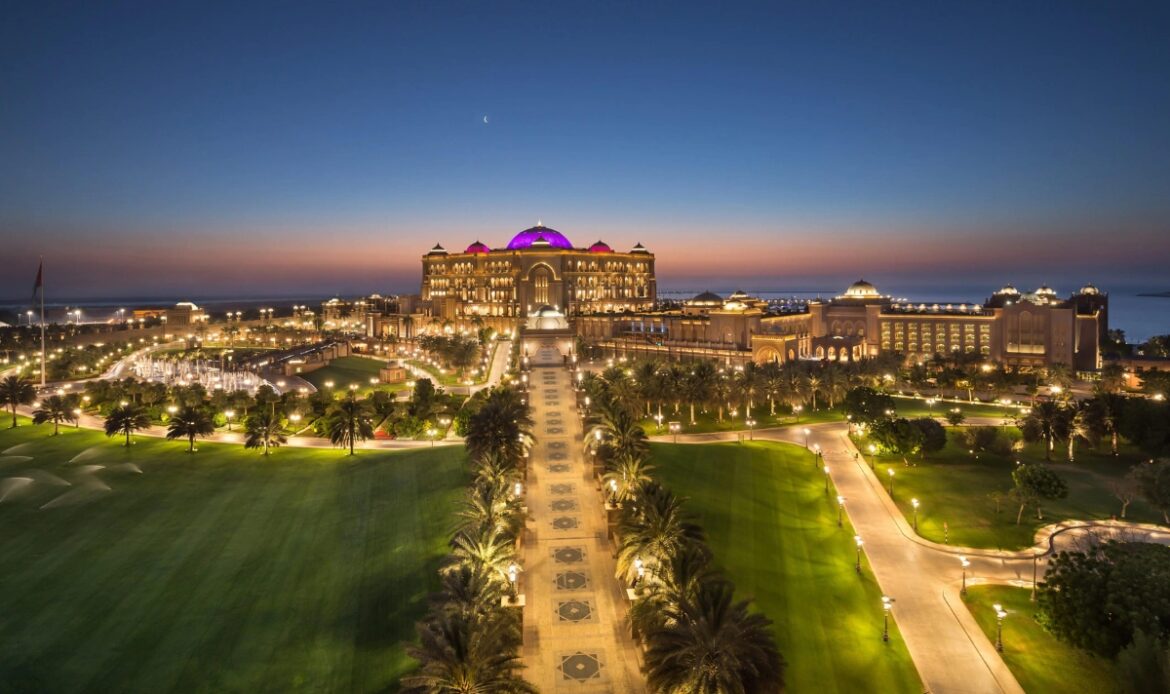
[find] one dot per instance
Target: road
(952, 654)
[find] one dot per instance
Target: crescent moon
(485, 120)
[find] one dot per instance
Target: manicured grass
(912, 408)
(219, 571)
(774, 531)
(954, 488)
(345, 371)
(707, 422)
(1040, 662)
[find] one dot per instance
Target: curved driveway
(949, 649)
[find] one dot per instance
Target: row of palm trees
(1073, 422)
(470, 639)
(703, 385)
(696, 636)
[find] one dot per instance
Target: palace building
(501, 287)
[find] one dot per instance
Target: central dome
(528, 237)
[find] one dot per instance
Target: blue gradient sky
(157, 148)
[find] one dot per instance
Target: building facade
(501, 287)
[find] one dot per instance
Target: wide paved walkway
(576, 637)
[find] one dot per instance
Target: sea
(1141, 317)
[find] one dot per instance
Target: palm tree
(490, 504)
(350, 421)
(812, 385)
(188, 423)
(678, 581)
(467, 655)
(468, 591)
(614, 426)
(1077, 427)
(486, 547)
(263, 429)
(16, 391)
(55, 409)
(700, 384)
(711, 644)
(628, 474)
(1105, 410)
(502, 424)
(746, 385)
(654, 530)
(126, 419)
(1047, 420)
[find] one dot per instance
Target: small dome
(600, 247)
(1090, 290)
(706, 298)
(478, 247)
(639, 248)
(734, 305)
(547, 311)
(738, 295)
(1045, 290)
(539, 236)
(861, 290)
(1008, 290)
(437, 250)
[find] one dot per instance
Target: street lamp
(859, 542)
(872, 455)
(999, 615)
(840, 509)
(613, 492)
(431, 434)
(887, 603)
(816, 453)
(640, 566)
(675, 427)
(890, 472)
(806, 433)
(964, 563)
(228, 414)
(797, 409)
(751, 423)
(658, 418)
(914, 503)
(826, 469)
(512, 575)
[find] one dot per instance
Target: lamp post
(816, 454)
(914, 503)
(890, 471)
(658, 418)
(964, 563)
(513, 570)
(613, 492)
(826, 469)
(887, 603)
(675, 427)
(751, 423)
(431, 434)
(806, 433)
(228, 414)
(840, 510)
(640, 567)
(859, 542)
(797, 409)
(999, 615)
(872, 456)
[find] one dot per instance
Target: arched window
(540, 286)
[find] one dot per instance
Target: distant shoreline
(1159, 295)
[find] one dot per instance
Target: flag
(40, 285)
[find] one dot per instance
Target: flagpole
(43, 370)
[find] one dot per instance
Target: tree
(867, 406)
(189, 423)
(982, 439)
(1077, 429)
(653, 530)
(16, 391)
(1104, 415)
(1036, 483)
(55, 409)
(348, 422)
(1142, 665)
(955, 417)
(126, 419)
(502, 424)
(899, 436)
(467, 654)
(934, 436)
(628, 473)
(1045, 421)
(1097, 600)
(709, 643)
(1153, 480)
(262, 429)
(1126, 489)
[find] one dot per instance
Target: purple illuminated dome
(478, 247)
(600, 247)
(527, 238)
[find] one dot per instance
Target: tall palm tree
(350, 421)
(699, 385)
(262, 429)
(188, 423)
(812, 386)
(711, 644)
(628, 473)
(491, 504)
(468, 591)
(613, 425)
(1077, 428)
(484, 546)
(467, 655)
(1106, 411)
(721, 393)
(16, 391)
(126, 419)
(747, 387)
(678, 581)
(502, 425)
(1046, 421)
(650, 384)
(55, 409)
(653, 530)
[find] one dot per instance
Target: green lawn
(775, 533)
(344, 371)
(222, 571)
(1038, 659)
(915, 407)
(954, 488)
(706, 422)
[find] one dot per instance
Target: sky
(236, 149)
